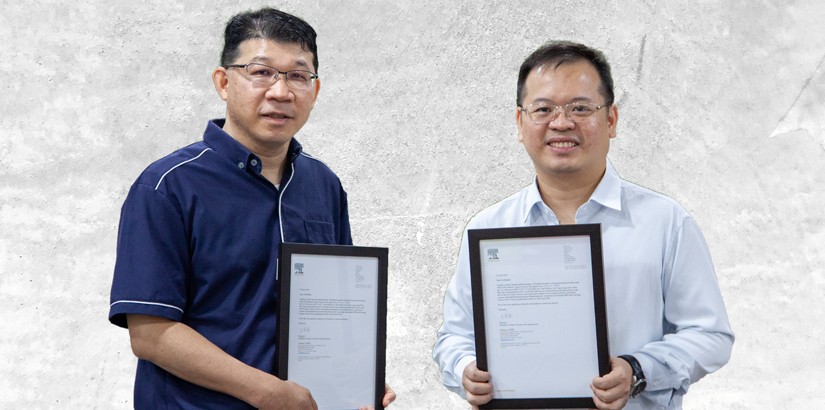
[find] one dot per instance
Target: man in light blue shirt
(667, 321)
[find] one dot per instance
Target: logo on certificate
(299, 269)
(492, 254)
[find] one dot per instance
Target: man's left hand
(611, 391)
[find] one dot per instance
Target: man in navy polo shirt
(195, 276)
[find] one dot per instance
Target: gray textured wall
(721, 107)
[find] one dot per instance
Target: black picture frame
(287, 252)
(475, 239)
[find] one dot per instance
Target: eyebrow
(549, 101)
(268, 61)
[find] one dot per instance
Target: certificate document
(539, 312)
(332, 322)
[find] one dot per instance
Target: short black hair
(270, 24)
(557, 53)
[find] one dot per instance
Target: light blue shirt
(663, 300)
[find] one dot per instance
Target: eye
(262, 71)
(540, 109)
(581, 109)
(299, 76)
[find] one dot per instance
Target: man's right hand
(477, 385)
(288, 396)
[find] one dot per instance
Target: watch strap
(639, 382)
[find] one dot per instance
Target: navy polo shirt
(198, 244)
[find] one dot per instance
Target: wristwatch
(639, 383)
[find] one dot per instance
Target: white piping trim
(280, 197)
(170, 169)
(313, 158)
(147, 303)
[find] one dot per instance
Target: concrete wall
(721, 107)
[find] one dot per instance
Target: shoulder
(307, 164)
(507, 212)
(166, 167)
(652, 205)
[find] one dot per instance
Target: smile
(562, 144)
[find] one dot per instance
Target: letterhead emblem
(492, 254)
(299, 269)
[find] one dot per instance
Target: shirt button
(240, 165)
(254, 162)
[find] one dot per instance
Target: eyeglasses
(541, 113)
(298, 80)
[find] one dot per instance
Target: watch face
(637, 387)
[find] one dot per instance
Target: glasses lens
(299, 80)
(260, 73)
(579, 110)
(545, 113)
(541, 113)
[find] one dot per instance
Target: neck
(564, 194)
(272, 155)
(272, 166)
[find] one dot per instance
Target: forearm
(455, 347)
(453, 353)
(698, 339)
(683, 358)
(183, 352)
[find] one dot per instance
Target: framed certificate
(539, 314)
(332, 322)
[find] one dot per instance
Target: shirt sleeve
(455, 347)
(152, 258)
(698, 339)
(344, 233)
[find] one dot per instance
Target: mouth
(277, 116)
(562, 144)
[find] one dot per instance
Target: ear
(612, 120)
(518, 124)
(220, 79)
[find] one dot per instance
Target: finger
(614, 405)
(599, 404)
(609, 399)
(606, 383)
(478, 400)
(478, 375)
(478, 389)
(608, 395)
(612, 380)
(389, 395)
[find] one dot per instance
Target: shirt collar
(532, 199)
(608, 193)
(223, 143)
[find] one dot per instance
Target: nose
(561, 121)
(279, 90)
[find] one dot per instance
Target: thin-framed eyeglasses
(542, 113)
(298, 80)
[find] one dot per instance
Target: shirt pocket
(320, 232)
